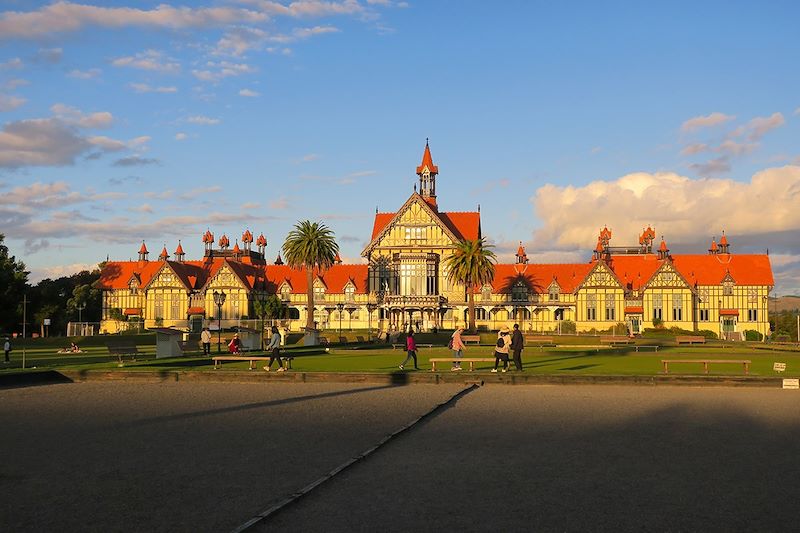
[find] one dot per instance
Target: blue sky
(130, 121)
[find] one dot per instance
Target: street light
(219, 301)
(340, 306)
(80, 307)
(262, 299)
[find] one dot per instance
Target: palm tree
(472, 263)
(310, 246)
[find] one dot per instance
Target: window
(158, 307)
(752, 296)
(354, 314)
(752, 315)
(413, 279)
(319, 293)
(702, 315)
(677, 307)
(553, 293)
(433, 279)
(591, 307)
(658, 304)
(702, 296)
(519, 292)
(415, 233)
(286, 292)
(610, 306)
(349, 293)
(175, 307)
(480, 313)
(486, 293)
(134, 288)
(727, 288)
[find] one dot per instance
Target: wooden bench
(690, 339)
(252, 358)
(470, 360)
(645, 346)
(616, 340)
(466, 339)
(122, 351)
(402, 345)
(539, 340)
(706, 362)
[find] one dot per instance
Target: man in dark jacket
(517, 343)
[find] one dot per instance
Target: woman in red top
(411, 347)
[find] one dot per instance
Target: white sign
(791, 383)
(46, 321)
(779, 367)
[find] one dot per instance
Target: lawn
(572, 358)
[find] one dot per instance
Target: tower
(427, 172)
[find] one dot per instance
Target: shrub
(658, 323)
(568, 326)
(752, 335)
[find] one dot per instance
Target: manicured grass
(570, 359)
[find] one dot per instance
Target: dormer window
(415, 233)
(350, 293)
(486, 293)
(134, 287)
(553, 293)
(727, 287)
(519, 292)
(286, 292)
(319, 293)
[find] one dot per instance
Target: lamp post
(219, 301)
(339, 307)
(262, 298)
(80, 307)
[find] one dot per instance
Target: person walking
(411, 348)
(235, 346)
(517, 344)
(7, 349)
(205, 339)
(501, 349)
(457, 345)
(275, 346)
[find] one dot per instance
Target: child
(501, 350)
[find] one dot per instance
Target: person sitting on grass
(235, 346)
(275, 346)
(74, 348)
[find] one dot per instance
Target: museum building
(404, 282)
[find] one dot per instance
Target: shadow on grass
(32, 379)
(245, 407)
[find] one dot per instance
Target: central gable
(416, 224)
(667, 276)
(601, 276)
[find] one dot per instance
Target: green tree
(310, 246)
(471, 264)
(13, 286)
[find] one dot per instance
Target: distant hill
(784, 303)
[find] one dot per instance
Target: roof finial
(376, 209)
(479, 208)
(426, 141)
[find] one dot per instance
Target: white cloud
(58, 271)
(139, 143)
(708, 121)
(40, 142)
(144, 208)
(696, 148)
(106, 143)
(148, 60)
(145, 88)
(237, 41)
(759, 126)
(84, 74)
(305, 33)
(250, 205)
(180, 136)
(65, 16)
(135, 161)
(279, 203)
(10, 102)
(683, 209)
(249, 93)
(200, 191)
(713, 167)
(202, 120)
(216, 71)
(13, 63)
(797, 111)
(72, 115)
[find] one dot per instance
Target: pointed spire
(278, 260)
(427, 161)
(522, 257)
(714, 248)
(163, 255)
(179, 255)
(143, 252)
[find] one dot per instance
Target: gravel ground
(576, 458)
(114, 456)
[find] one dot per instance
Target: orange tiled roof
(538, 277)
(335, 278)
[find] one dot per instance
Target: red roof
(143, 249)
(196, 311)
(335, 278)
(427, 161)
(132, 311)
(729, 312)
(538, 277)
(464, 225)
(634, 310)
(179, 249)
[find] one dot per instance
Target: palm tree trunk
(309, 299)
(472, 328)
